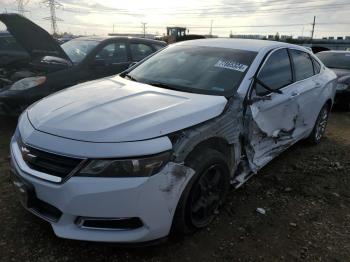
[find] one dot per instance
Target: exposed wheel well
(218, 144)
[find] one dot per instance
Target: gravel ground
(305, 193)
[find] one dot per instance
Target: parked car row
(38, 66)
(339, 62)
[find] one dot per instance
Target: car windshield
(77, 50)
(197, 69)
(335, 60)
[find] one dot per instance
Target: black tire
(207, 163)
(320, 126)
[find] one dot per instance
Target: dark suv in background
(46, 67)
(339, 62)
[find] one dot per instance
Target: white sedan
(133, 157)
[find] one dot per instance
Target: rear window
(158, 47)
(303, 65)
(317, 66)
(335, 60)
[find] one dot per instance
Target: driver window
(276, 73)
(113, 53)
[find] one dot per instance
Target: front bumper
(153, 200)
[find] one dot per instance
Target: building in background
(248, 36)
(149, 36)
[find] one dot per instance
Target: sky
(287, 17)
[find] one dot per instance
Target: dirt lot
(305, 193)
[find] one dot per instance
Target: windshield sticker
(231, 65)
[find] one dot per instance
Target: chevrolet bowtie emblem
(26, 154)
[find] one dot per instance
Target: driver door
(272, 117)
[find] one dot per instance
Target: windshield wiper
(162, 85)
(131, 78)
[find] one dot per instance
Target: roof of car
(103, 38)
(242, 44)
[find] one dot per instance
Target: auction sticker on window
(231, 65)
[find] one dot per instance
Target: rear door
(140, 50)
(271, 124)
(308, 85)
(111, 59)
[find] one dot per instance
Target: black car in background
(48, 67)
(10, 50)
(339, 62)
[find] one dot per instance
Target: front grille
(48, 163)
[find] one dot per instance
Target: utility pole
(211, 28)
(313, 28)
(144, 29)
(53, 4)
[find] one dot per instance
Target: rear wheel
(204, 193)
(320, 125)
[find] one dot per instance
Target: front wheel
(320, 125)
(204, 193)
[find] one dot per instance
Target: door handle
(318, 85)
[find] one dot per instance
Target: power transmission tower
(144, 29)
(211, 28)
(313, 28)
(20, 6)
(53, 4)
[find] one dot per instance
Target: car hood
(343, 75)
(35, 40)
(341, 72)
(118, 110)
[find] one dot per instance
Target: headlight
(142, 167)
(341, 86)
(28, 82)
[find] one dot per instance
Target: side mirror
(270, 89)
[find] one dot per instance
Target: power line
(313, 28)
(144, 29)
(225, 9)
(53, 4)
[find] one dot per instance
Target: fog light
(109, 223)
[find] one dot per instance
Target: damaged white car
(133, 157)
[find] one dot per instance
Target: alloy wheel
(322, 123)
(207, 196)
